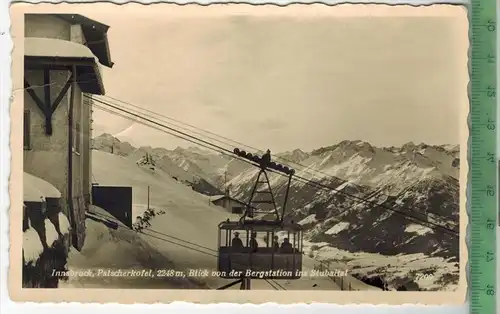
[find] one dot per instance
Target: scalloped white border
(7, 306)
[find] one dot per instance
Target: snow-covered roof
(31, 193)
(40, 186)
(51, 47)
(214, 198)
(219, 197)
(57, 51)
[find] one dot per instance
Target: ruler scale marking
(483, 164)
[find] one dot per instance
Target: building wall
(77, 144)
(47, 156)
(220, 202)
(81, 154)
(86, 149)
(42, 25)
(76, 34)
(227, 204)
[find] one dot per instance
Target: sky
(287, 82)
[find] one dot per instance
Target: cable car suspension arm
(283, 211)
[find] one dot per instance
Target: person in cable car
(276, 245)
(266, 159)
(286, 246)
(236, 243)
(253, 242)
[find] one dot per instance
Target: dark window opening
(27, 130)
(77, 141)
(237, 210)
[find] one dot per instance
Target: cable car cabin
(265, 250)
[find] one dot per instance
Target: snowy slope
(106, 248)
(210, 166)
(175, 163)
(108, 143)
(189, 221)
(205, 170)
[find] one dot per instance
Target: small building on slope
(231, 204)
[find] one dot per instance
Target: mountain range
(390, 201)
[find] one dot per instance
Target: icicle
(50, 232)
(32, 245)
(64, 225)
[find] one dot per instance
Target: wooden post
(71, 208)
(148, 196)
(245, 284)
(48, 106)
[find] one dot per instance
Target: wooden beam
(63, 92)
(33, 95)
(31, 65)
(48, 107)
(61, 61)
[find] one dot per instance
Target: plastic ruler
(483, 190)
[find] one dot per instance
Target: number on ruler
(490, 157)
(490, 58)
(490, 191)
(491, 124)
(491, 25)
(490, 290)
(490, 224)
(491, 92)
(489, 256)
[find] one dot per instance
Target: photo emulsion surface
(312, 149)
